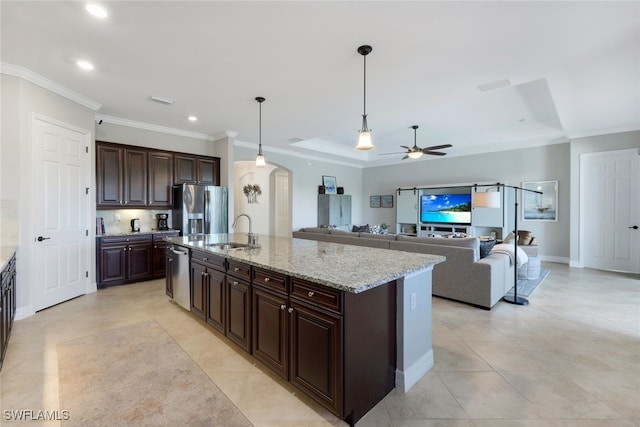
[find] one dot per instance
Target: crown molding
(154, 128)
(43, 82)
(269, 149)
(224, 134)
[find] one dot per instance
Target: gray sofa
(463, 277)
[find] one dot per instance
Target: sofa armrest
(530, 250)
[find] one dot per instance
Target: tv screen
(445, 208)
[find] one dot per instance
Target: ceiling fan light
(415, 154)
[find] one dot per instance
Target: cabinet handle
(155, 246)
(205, 259)
(266, 279)
(236, 268)
(235, 283)
(282, 307)
(290, 310)
(311, 294)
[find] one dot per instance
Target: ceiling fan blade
(384, 154)
(437, 147)
(405, 157)
(434, 153)
(405, 147)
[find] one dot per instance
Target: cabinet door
(316, 355)
(270, 330)
(198, 282)
(139, 261)
(159, 260)
(135, 178)
(109, 171)
(184, 169)
(112, 264)
(160, 179)
(238, 328)
(208, 170)
(169, 273)
(215, 300)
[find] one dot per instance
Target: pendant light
(364, 136)
(415, 152)
(260, 157)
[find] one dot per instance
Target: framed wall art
(540, 207)
(330, 186)
(386, 201)
(374, 201)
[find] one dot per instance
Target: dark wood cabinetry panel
(215, 300)
(7, 305)
(271, 329)
(160, 179)
(208, 171)
(199, 284)
(159, 254)
(316, 355)
(189, 169)
(238, 327)
(109, 170)
(140, 261)
(113, 265)
(184, 169)
(135, 178)
(169, 273)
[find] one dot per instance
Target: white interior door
(60, 244)
(282, 217)
(610, 194)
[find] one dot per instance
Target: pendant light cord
(364, 108)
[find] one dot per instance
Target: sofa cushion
(463, 242)
(344, 233)
(378, 236)
(322, 230)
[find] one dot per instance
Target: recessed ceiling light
(85, 65)
(193, 118)
(97, 11)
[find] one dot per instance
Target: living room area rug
(138, 375)
(526, 287)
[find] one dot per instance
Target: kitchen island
(344, 324)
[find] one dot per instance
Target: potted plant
(384, 228)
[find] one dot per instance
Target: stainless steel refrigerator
(200, 209)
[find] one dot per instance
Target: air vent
(162, 100)
(295, 139)
(498, 84)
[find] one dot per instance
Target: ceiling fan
(416, 152)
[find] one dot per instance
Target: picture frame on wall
(330, 185)
(540, 207)
(386, 201)
(374, 201)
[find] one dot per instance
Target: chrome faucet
(251, 239)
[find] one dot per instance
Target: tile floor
(569, 359)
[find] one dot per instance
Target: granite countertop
(6, 252)
(345, 267)
(137, 233)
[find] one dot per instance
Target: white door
(282, 217)
(60, 246)
(610, 194)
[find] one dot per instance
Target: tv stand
(425, 229)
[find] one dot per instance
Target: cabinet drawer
(239, 269)
(316, 294)
(271, 280)
(159, 237)
(213, 261)
(131, 238)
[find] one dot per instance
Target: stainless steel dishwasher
(180, 275)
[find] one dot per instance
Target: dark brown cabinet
(271, 329)
(194, 169)
(199, 283)
(121, 176)
(238, 327)
(168, 256)
(137, 177)
(160, 179)
(131, 258)
(216, 292)
(7, 304)
(208, 288)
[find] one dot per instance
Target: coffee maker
(163, 221)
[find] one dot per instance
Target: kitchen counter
(349, 268)
(6, 252)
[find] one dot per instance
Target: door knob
(635, 227)
(40, 238)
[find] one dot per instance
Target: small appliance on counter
(135, 225)
(163, 221)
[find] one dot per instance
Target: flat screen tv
(445, 208)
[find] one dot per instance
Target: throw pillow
(361, 228)
(375, 229)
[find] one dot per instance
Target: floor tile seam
(539, 408)
(585, 393)
(452, 394)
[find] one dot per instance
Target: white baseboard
(558, 259)
(24, 312)
(409, 377)
(576, 264)
(91, 288)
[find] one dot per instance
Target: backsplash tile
(148, 220)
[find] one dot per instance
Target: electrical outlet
(414, 297)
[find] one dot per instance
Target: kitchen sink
(229, 246)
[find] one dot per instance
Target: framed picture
(540, 207)
(329, 183)
(374, 201)
(386, 201)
